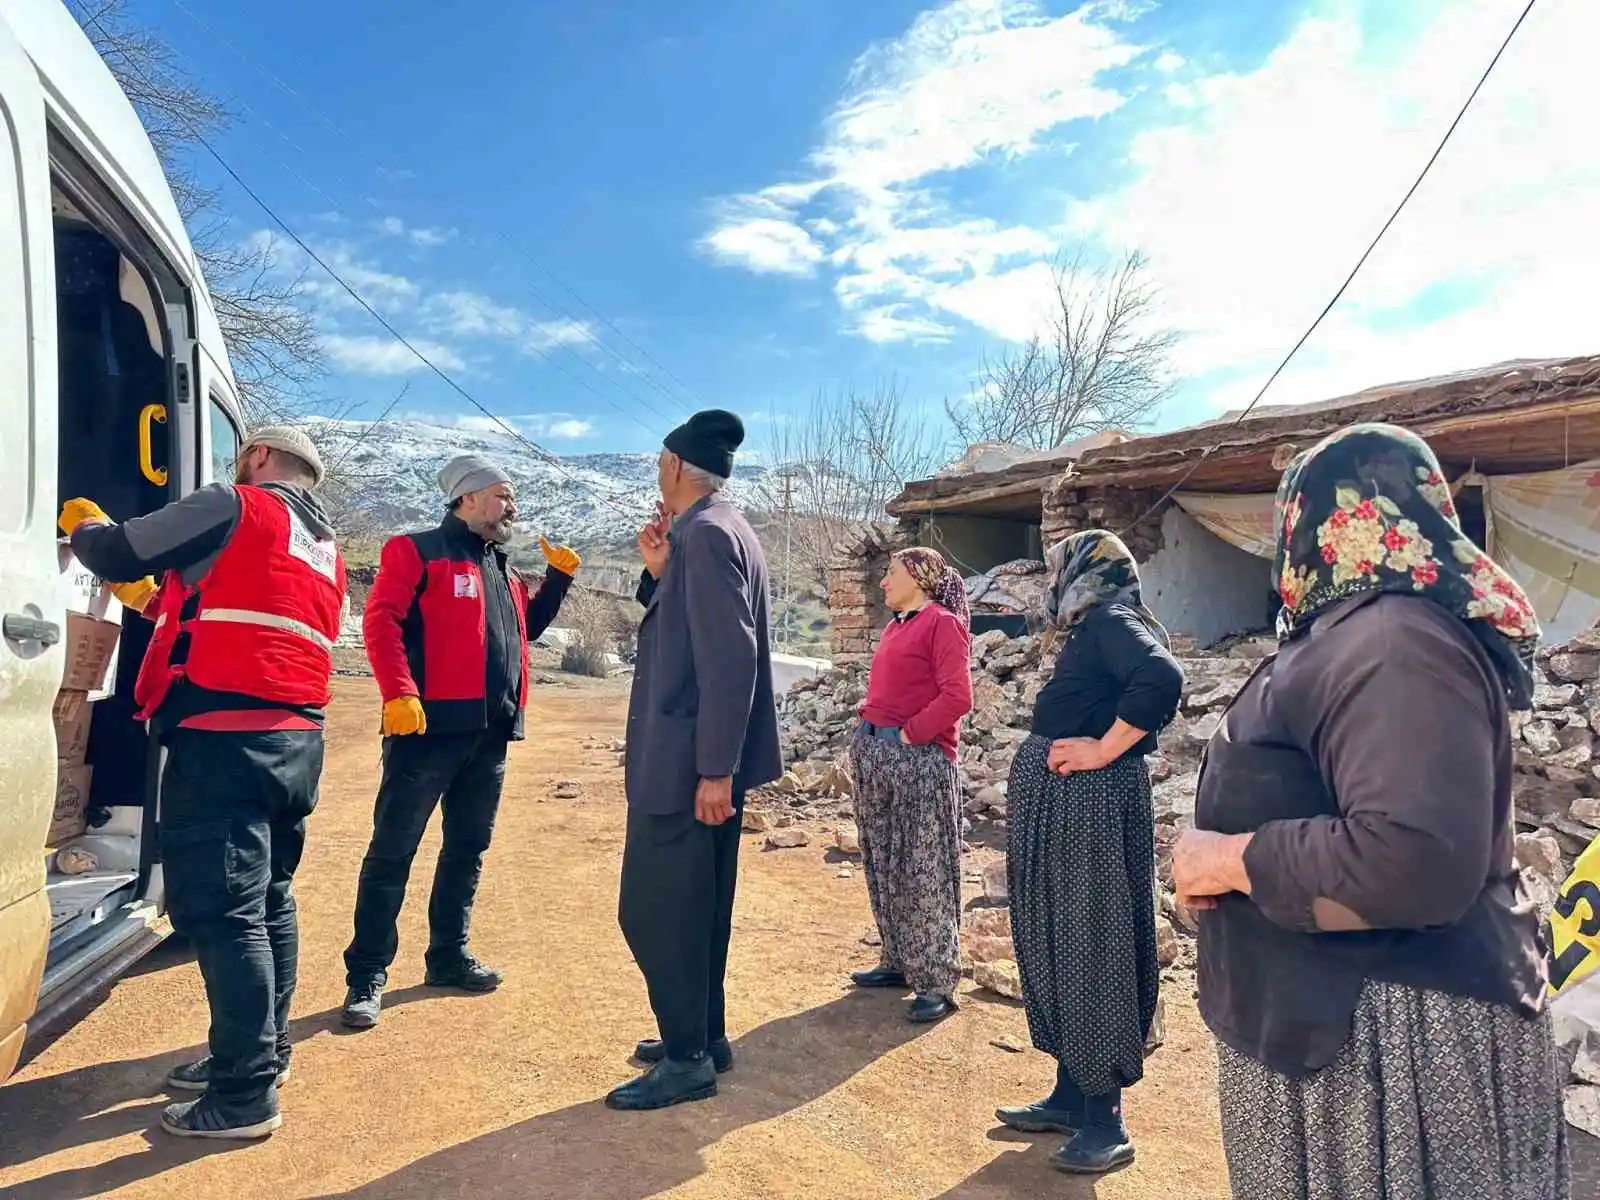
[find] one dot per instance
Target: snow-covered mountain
(389, 472)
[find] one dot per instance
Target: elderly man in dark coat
(702, 731)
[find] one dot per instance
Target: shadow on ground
(112, 1100)
(588, 1150)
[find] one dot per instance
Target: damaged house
(1520, 443)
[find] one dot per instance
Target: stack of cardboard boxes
(94, 629)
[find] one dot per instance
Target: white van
(114, 384)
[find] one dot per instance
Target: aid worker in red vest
(447, 625)
(234, 683)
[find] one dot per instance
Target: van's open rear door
(30, 609)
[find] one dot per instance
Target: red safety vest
(260, 623)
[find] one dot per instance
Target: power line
(1350, 278)
(344, 135)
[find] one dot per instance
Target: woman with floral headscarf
(1368, 961)
(907, 793)
(1081, 849)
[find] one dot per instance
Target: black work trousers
(676, 913)
(463, 774)
(233, 826)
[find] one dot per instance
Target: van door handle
(20, 627)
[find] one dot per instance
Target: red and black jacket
(448, 620)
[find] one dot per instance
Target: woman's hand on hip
(904, 740)
(1207, 865)
(1076, 754)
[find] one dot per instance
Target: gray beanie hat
(469, 473)
(290, 440)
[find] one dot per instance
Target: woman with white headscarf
(1081, 851)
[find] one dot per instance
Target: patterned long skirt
(1081, 866)
(908, 809)
(1434, 1097)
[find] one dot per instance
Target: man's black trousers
(676, 912)
(233, 826)
(463, 774)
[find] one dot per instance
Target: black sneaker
(468, 975)
(651, 1050)
(196, 1076)
(928, 1008)
(879, 977)
(204, 1118)
(362, 1004)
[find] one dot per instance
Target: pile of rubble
(1557, 783)
(1015, 588)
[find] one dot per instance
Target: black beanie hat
(707, 440)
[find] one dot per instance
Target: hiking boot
(467, 975)
(362, 1004)
(653, 1050)
(205, 1118)
(668, 1082)
(196, 1076)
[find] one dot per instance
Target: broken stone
(1548, 696)
(1587, 810)
(1541, 853)
(995, 888)
(848, 839)
(568, 789)
(988, 949)
(988, 922)
(1541, 738)
(1166, 942)
(1003, 978)
(755, 821)
(1575, 757)
(788, 839)
(1574, 666)
(1582, 1106)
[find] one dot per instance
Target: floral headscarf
(1367, 509)
(939, 581)
(1089, 568)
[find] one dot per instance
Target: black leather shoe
(668, 1082)
(653, 1050)
(1039, 1118)
(879, 977)
(468, 975)
(925, 1009)
(1094, 1151)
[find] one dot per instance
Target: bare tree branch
(1101, 364)
(270, 332)
(834, 467)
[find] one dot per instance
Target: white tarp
(1545, 530)
(1243, 520)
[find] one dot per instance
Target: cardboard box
(72, 804)
(91, 645)
(91, 656)
(73, 716)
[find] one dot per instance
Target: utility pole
(788, 557)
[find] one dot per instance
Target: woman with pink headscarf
(908, 794)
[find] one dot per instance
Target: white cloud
(756, 232)
(420, 236)
(386, 356)
(970, 83)
(1169, 62)
(1254, 203)
(470, 314)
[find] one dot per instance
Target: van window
(224, 443)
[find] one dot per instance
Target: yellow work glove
(403, 715)
(76, 512)
(563, 558)
(135, 595)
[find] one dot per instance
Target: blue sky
(598, 217)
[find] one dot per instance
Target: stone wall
(856, 610)
(1069, 509)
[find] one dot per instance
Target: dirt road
(498, 1097)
